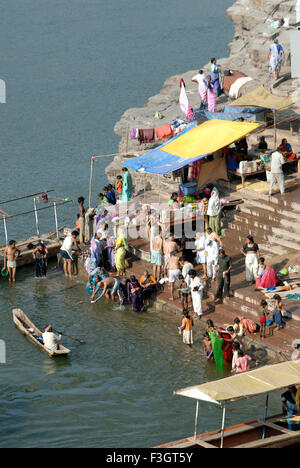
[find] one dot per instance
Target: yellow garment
(120, 254)
(209, 138)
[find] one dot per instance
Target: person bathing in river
(110, 288)
(40, 256)
(69, 243)
(11, 255)
(208, 352)
(187, 328)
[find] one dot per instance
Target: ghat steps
(274, 221)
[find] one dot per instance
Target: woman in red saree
(227, 344)
(266, 276)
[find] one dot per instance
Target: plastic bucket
(4, 273)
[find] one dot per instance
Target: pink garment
(242, 364)
(202, 90)
(268, 279)
(212, 100)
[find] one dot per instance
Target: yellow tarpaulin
(263, 380)
(260, 97)
(209, 138)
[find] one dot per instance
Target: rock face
(248, 53)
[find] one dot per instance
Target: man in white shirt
(197, 292)
(50, 339)
(212, 258)
(277, 176)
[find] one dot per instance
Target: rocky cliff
(248, 51)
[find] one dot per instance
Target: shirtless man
(11, 254)
(110, 287)
(169, 246)
(156, 256)
(174, 271)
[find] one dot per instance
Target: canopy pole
(266, 415)
(36, 218)
(55, 216)
(275, 129)
(196, 420)
(5, 231)
(223, 426)
(91, 181)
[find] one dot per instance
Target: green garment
(127, 187)
(216, 344)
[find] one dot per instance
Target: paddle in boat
(34, 335)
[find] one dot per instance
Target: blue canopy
(157, 161)
(227, 115)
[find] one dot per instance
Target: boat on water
(52, 241)
(32, 333)
(268, 432)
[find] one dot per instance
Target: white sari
(275, 59)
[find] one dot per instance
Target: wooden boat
(268, 432)
(26, 326)
(27, 246)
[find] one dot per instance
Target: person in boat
(50, 339)
(40, 254)
(289, 406)
(11, 255)
(68, 245)
(266, 276)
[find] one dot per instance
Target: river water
(71, 68)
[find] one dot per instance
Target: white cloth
(201, 243)
(251, 263)
(274, 58)
(212, 258)
(185, 272)
(174, 275)
(277, 179)
(236, 86)
(51, 340)
(183, 100)
(199, 78)
(67, 245)
(214, 205)
(277, 160)
(197, 295)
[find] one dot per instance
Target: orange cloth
(164, 131)
(151, 280)
(187, 324)
(119, 187)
